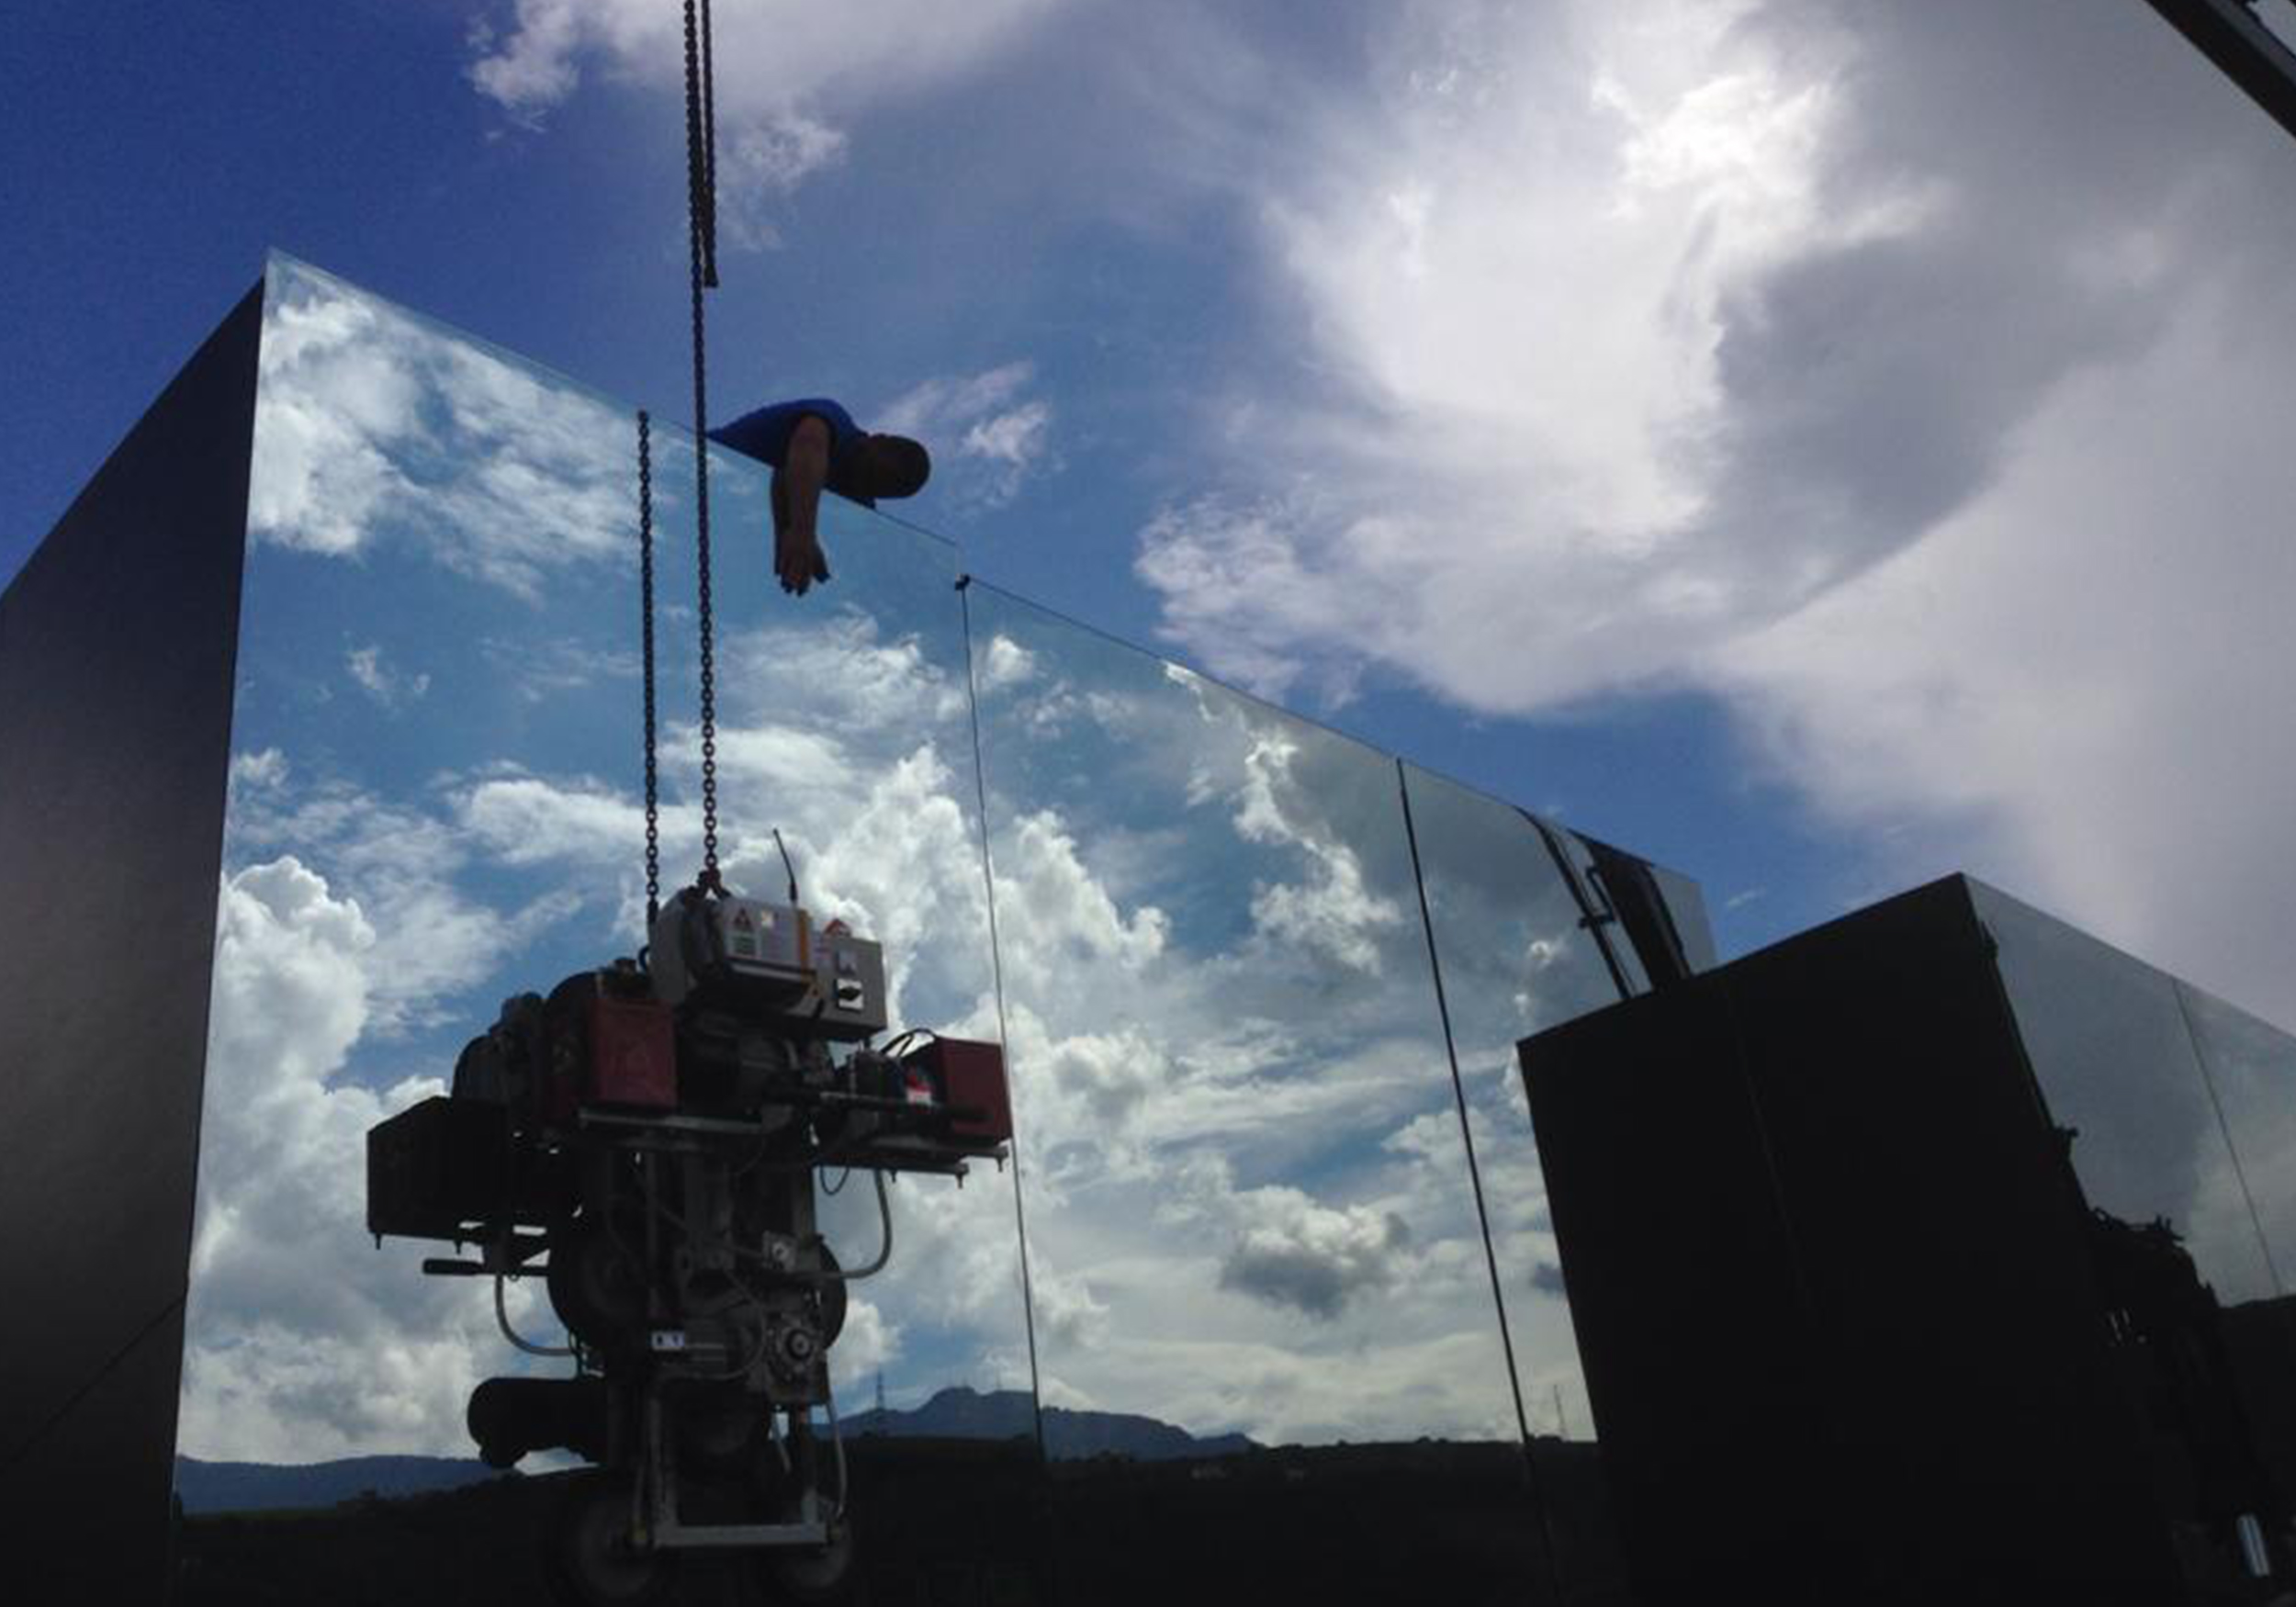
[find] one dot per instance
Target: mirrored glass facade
(1248, 1201)
(1207, 932)
(434, 805)
(2111, 1046)
(1270, 1278)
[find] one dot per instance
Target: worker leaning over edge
(812, 444)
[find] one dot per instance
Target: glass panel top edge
(1243, 695)
(277, 259)
(279, 262)
(1983, 892)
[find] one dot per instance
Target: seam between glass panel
(1475, 1176)
(103, 1372)
(2240, 1174)
(1004, 1036)
(1590, 918)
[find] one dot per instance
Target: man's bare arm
(797, 558)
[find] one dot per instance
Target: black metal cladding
(118, 642)
(1851, 1291)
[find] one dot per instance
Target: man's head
(892, 465)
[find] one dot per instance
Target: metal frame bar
(2229, 34)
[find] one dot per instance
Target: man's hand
(797, 502)
(797, 558)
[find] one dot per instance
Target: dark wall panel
(1940, 1242)
(94, 1498)
(1832, 1276)
(1681, 1285)
(117, 641)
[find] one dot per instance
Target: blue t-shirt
(764, 435)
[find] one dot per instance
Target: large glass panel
(2109, 1043)
(2251, 1069)
(1687, 903)
(1249, 1217)
(1517, 957)
(436, 803)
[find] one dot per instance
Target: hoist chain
(646, 603)
(709, 157)
(701, 229)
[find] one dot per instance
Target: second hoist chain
(702, 230)
(646, 604)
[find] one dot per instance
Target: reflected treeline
(2211, 1382)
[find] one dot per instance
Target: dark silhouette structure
(118, 642)
(1856, 1322)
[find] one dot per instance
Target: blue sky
(1530, 389)
(1820, 446)
(972, 223)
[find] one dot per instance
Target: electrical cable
(502, 1321)
(837, 1439)
(885, 1252)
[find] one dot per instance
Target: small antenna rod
(786, 865)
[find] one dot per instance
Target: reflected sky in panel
(1515, 961)
(2251, 1069)
(1247, 1198)
(2115, 1061)
(1248, 1201)
(435, 803)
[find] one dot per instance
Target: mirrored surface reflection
(2251, 1069)
(1247, 1199)
(1249, 1217)
(2115, 1061)
(1598, 899)
(436, 803)
(1516, 959)
(1686, 905)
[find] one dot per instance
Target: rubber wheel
(586, 1552)
(597, 1292)
(816, 1575)
(720, 1432)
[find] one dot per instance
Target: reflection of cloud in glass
(2251, 1069)
(1244, 1156)
(2113, 1054)
(370, 416)
(466, 824)
(1247, 1189)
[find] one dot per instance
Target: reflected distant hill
(976, 1520)
(953, 1415)
(961, 1413)
(256, 1486)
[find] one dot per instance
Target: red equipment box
(633, 1054)
(971, 1077)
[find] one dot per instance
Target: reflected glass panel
(1517, 959)
(1598, 900)
(2251, 1068)
(435, 803)
(2108, 1044)
(1686, 903)
(1247, 1198)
